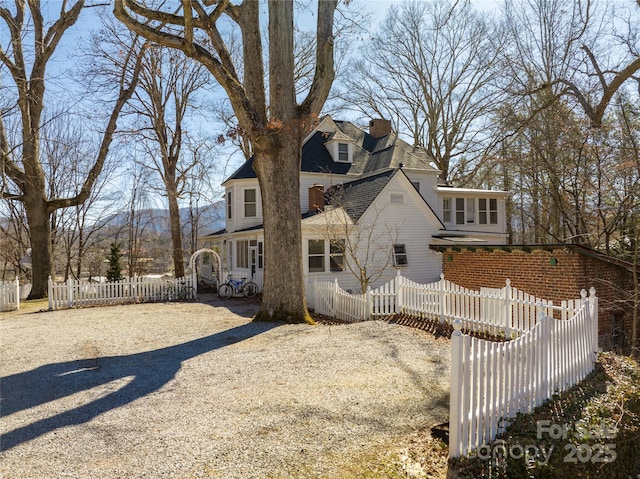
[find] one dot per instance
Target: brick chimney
(316, 198)
(379, 127)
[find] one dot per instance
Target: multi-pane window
(316, 256)
(471, 210)
(493, 211)
(488, 211)
(343, 152)
(336, 255)
(250, 203)
(242, 254)
(463, 211)
(482, 211)
(460, 211)
(321, 250)
(229, 198)
(400, 255)
(446, 210)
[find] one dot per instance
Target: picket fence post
(441, 297)
(50, 293)
(69, 292)
(540, 352)
(508, 314)
(455, 399)
(335, 289)
(134, 288)
(368, 303)
(17, 293)
(593, 317)
(398, 284)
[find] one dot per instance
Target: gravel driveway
(197, 390)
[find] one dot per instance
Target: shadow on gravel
(150, 371)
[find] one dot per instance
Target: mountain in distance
(155, 221)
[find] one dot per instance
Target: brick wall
(552, 273)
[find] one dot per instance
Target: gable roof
(370, 154)
(356, 196)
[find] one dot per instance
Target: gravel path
(197, 390)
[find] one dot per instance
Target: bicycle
(237, 286)
(179, 292)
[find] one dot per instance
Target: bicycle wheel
(190, 293)
(169, 294)
(250, 289)
(225, 291)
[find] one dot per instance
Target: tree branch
(324, 72)
(126, 92)
(227, 79)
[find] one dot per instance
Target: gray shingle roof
(356, 196)
(370, 154)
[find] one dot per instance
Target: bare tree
(635, 324)
(203, 191)
(268, 112)
(431, 67)
(363, 249)
(21, 162)
(67, 154)
(565, 46)
(169, 83)
(14, 241)
(136, 220)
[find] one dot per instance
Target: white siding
(238, 220)
(409, 223)
(475, 195)
(428, 181)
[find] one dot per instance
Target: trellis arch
(215, 258)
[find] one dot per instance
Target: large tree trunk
(41, 249)
(278, 170)
(176, 231)
(274, 129)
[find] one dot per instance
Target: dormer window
(343, 152)
(340, 148)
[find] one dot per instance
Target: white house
(368, 199)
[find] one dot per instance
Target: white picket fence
(74, 293)
(9, 295)
(498, 311)
(493, 381)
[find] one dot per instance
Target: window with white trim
(229, 198)
(460, 216)
(336, 255)
(400, 255)
(343, 152)
(316, 256)
(250, 203)
(488, 211)
(242, 254)
(493, 211)
(446, 210)
(471, 210)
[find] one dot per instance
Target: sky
(61, 65)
